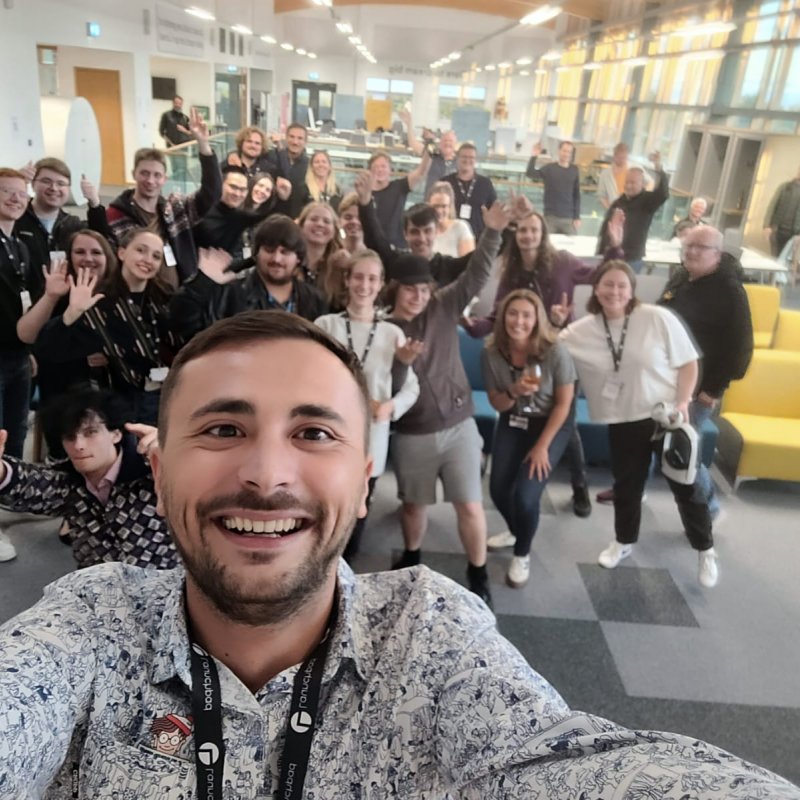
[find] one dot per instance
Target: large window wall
(645, 81)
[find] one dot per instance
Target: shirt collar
(110, 476)
(351, 640)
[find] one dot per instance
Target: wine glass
(531, 378)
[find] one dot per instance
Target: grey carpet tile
(634, 594)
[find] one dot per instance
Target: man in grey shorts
(438, 437)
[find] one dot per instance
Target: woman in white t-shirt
(536, 418)
(630, 356)
(454, 237)
(374, 341)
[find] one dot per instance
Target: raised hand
(655, 158)
(28, 170)
(234, 160)
(408, 351)
(560, 312)
(89, 191)
(521, 206)
(405, 117)
(81, 295)
(616, 228)
(199, 129)
(382, 412)
(536, 150)
(214, 263)
(497, 217)
(55, 279)
(363, 187)
(283, 188)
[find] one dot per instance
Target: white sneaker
(518, 571)
(501, 540)
(613, 554)
(7, 550)
(708, 572)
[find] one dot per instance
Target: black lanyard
(209, 746)
(616, 352)
(14, 253)
(465, 193)
(371, 336)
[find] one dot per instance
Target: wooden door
(101, 87)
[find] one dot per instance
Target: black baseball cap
(410, 269)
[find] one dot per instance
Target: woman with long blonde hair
(325, 258)
(321, 183)
(530, 379)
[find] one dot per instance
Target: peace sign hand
(560, 312)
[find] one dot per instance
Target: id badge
(158, 374)
(247, 251)
(25, 299)
(169, 256)
(611, 388)
(518, 421)
(465, 212)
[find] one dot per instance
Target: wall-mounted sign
(179, 33)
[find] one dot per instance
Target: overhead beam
(512, 9)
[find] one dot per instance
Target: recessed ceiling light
(454, 56)
(592, 65)
(478, 69)
(354, 39)
(269, 39)
(312, 55)
(551, 55)
(540, 72)
(541, 15)
(504, 65)
(287, 46)
(523, 62)
(242, 29)
(490, 67)
(524, 73)
(344, 27)
(300, 51)
(200, 13)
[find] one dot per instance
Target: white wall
(195, 83)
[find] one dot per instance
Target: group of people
(153, 349)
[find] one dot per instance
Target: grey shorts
(454, 455)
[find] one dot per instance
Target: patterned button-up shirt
(421, 698)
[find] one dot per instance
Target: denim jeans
(698, 414)
(516, 496)
(15, 398)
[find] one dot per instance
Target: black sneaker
(478, 583)
(581, 504)
(410, 558)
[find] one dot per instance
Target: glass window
(450, 91)
(752, 66)
(790, 98)
(475, 93)
(377, 85)
(401, 87)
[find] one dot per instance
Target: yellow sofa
(759, 420)
(787, 334)
(765, 304)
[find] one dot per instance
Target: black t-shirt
(476, 193)
(389, 205)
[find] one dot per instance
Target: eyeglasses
(693, 246)
(50, 183)
(12, 194)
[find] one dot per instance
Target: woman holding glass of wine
(530, 379)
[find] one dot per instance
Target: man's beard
(271, 601)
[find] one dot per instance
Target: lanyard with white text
(209, 746)
(616, 352)
(371, 336)
(465, 193)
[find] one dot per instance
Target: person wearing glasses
(707, 294)
(224, 225)
(15, 300)
(45, 227)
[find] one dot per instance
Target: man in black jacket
(214, 292)
(291, 162)
(45, 227)
(708, 295)
(172, 217)
(640, 207)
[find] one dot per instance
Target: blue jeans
(15, 399)
(698, 414)
(515, 495)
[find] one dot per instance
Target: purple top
(567, 272)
